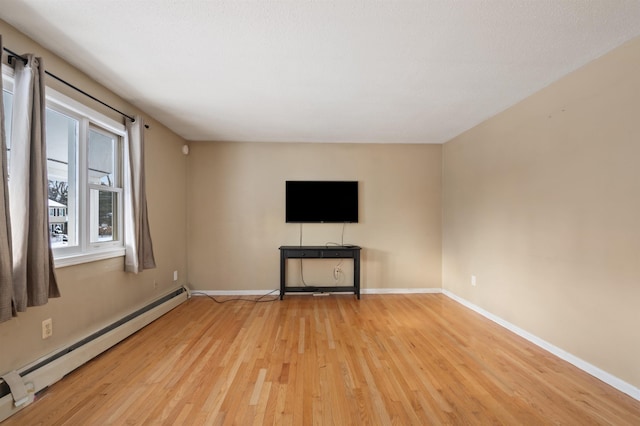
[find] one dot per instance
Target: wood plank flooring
(386, 359)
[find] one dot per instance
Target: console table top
(320, 247)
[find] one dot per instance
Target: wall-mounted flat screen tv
(321, 201)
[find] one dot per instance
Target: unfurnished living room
(320, 212)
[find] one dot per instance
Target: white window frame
(86, 251)
(117, 189)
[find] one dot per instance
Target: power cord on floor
(260, 299)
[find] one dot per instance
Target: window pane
(62, 134)
(104, 208)
(102, 159)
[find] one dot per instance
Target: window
(62, 143)
(105, 186)
(84, 160)
(85, 174)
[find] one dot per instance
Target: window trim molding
(94, 116)
(86, 257)
(92, 251)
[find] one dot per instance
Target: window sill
(77, 259)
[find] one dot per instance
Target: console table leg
(356, 273)
(283, 262)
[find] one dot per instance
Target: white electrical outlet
(175, 275)
(337, 271)
(473, 280)
(47, 328)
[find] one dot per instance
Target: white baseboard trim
(234, 292)
(399, 290)
(53, 371)
(277, 292)
(608, 378)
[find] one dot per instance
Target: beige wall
(98, 293)
(236, 213)
(542, 204)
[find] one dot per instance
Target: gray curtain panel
(139, 248)
(6, 263)
(34, 278)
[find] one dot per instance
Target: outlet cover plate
(47, 328)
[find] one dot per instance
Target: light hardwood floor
(386, 359)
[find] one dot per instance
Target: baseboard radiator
(51, 368)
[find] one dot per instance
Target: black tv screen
(321, 201)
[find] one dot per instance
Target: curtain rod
(77, 89)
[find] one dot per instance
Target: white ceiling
(325, 71)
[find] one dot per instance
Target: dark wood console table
(320, 252)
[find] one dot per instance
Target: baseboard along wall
(583, 365)
(48, 370)
(51, 368)
(600, 374)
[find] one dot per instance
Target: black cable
(300, 234)
(344, 224)
(238, 299)
(302, 274)
(301, 267)
(341, 243)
